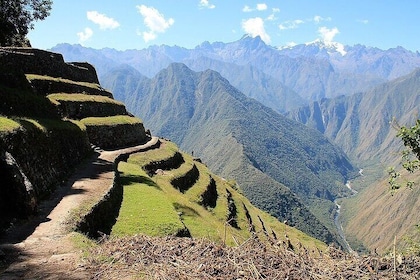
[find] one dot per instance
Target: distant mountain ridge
(305, 72)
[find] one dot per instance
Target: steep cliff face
(51, 113)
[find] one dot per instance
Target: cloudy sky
(137, 24)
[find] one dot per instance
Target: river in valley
(337, 221)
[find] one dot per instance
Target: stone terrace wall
(34, 162)
(35, 61)
(117, 136)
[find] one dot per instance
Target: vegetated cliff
(41, 140)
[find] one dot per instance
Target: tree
(17, 18)
(410, 156)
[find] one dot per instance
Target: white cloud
(155, 22)
(246, 9)
(206, 4)
(291, 24)
(102, 20)
(364, 21)
(261, 7)
(255, 27)
(327, 35)
(318, 19)
(273, 14)
(85, 35)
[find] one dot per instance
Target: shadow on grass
(186, 210)
(127, 180)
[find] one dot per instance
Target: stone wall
(34, 61)
(79, 110)
(101, 218)
(166, 164)
(186, 181)
(117, 136)
(35, 161)
(209, 196)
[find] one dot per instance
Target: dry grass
(142, 257)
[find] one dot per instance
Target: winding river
(337, 222)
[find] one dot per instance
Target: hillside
(362, 125)
(376, 216)
(74, 162)
(242, 140)
(81, 167)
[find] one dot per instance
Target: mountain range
(349, 94)
(299, 74)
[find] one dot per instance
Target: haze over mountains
(346, 93)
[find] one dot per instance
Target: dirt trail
(41, 248)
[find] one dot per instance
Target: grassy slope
(153, 206)
(31, 77)
(111, 121)
(82, 98)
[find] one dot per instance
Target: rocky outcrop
(17, 196)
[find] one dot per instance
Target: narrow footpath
(42, 247)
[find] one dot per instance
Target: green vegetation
(153, 206)
(410, 156)
(145, 209)
(110, 121)
(78, 97)
(17, 17)
(32, 77)
(167, 151)
(8, 125)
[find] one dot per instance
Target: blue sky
(137, 24)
